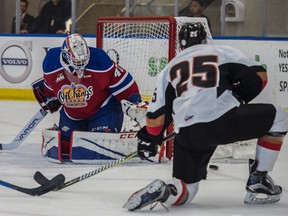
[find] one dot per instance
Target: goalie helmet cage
(143, 46)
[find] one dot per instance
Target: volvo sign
(16, 60)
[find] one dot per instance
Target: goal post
(144, 46)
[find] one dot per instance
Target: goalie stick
(42, 180)
(49, 185)
(22, 135)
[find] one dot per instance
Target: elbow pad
(248, 85)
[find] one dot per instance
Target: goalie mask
(191, 34)
(75, 54)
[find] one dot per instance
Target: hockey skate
(155, 192)
(261, 189)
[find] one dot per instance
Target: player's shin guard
(260, 187)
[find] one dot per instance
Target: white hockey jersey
(197, 74)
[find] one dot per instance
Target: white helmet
(75, 54)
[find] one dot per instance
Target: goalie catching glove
(137, 112)
(146, 147)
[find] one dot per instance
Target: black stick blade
(40, 178)
(50, 185)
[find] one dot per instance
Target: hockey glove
(50, 104)
(146, 148)
(137, 112)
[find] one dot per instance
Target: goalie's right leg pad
(99, 147)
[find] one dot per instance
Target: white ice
(105, 193)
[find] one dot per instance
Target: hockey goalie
(88, 87)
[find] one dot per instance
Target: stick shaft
(96, 171)
(24, 133)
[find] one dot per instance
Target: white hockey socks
(266, 158)
(267, 151)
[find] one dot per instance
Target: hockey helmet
(191, 34)
(75, 54)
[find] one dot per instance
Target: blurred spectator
(53, 17)
(195, 9)
(26, 19)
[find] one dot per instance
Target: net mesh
(236, 150)
(141, 48)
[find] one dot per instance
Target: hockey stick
(22, 135)
(230, 160)
(49, 185)
(41, 179)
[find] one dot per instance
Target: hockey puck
(213, 167)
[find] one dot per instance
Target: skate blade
(256, 198)
(133, 203)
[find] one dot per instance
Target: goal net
(143, 46)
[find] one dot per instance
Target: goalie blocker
(90, 147)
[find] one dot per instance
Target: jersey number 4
(204, 73)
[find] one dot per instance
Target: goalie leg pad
(99, 148)
(51, 145)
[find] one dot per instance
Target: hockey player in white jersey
(206, 91)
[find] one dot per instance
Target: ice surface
(221, 194)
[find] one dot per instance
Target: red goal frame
(171, 48)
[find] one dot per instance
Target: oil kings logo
(75, 96)
(16, 60)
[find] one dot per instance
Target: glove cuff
(144, 135)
